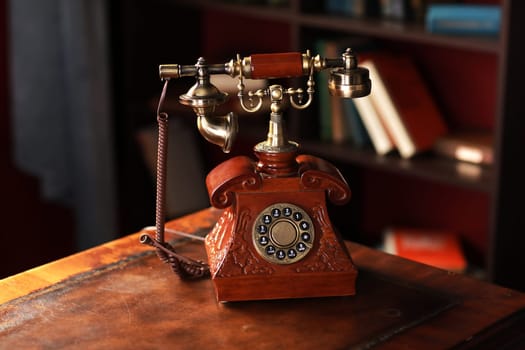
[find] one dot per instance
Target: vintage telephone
(274, 238)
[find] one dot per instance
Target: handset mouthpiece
(169, 71)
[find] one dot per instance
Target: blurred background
(77, 95)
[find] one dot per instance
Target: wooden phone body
(274, 239)
(286, 187)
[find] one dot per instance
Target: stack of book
(339, 119)
(399, 114)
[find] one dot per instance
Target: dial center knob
(284, 233)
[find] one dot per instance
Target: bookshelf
(494, 222)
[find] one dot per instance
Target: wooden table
(120, 296)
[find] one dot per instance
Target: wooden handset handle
(256, 66)
(277, 65)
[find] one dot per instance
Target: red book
(437, 248)
(404, 103)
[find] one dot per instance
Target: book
(341, 120)
(404, 103)
(468, 146)
(334, 125)
(463, 19)
(359, 136)
(339, 132)
(379, 137)
(352, 8)
(438, 248)
(340, 128)
(395, 9)
(355, 130)
(338, 7)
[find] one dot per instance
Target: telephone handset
(274, 239)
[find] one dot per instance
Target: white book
(387, 108)
(373, 125)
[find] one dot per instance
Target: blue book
(463, 19)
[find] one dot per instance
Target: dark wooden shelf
(408, 32)
(503, 182)
(426, 167)
(377, 28)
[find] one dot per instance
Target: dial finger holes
(283, 233)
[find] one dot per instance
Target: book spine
(378, 135)
(463, 19)
(359, 135)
